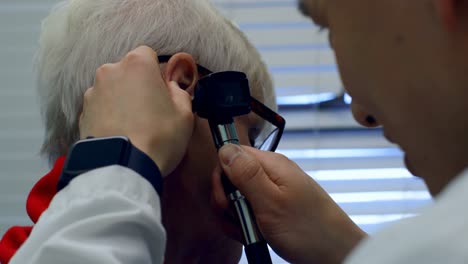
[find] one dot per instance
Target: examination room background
(364, 173)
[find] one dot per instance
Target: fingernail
(229, 154)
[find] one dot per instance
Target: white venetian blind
(20, 124)
(361, 171)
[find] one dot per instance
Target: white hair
(80, 35)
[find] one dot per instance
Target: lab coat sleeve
(437, 235)
(109, 215)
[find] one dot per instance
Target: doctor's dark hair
(80, 35)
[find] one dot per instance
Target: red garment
(38, 201)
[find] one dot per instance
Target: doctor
(405, 64)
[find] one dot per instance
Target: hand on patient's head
(131, 98)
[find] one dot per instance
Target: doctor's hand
(131, 98)
(295, 215)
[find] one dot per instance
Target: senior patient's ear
(182, 69)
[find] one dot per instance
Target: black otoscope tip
(258, 253)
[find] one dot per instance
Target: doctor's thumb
(245, 171)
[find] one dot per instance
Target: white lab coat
(439, 235)
(109, 215)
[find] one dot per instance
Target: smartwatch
(93, 153)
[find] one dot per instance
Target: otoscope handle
(256, 249)
(227, 185)
(258, 253)
(219, 97)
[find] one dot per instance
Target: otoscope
(219, 97)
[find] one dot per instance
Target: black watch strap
(146, 167)
(94, 153)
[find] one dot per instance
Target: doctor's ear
(182, 69)
(451, 12)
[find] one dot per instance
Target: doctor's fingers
(244, 169)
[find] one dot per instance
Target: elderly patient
(80, 35)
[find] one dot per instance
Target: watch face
(97, 152)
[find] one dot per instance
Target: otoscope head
(221, 96)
